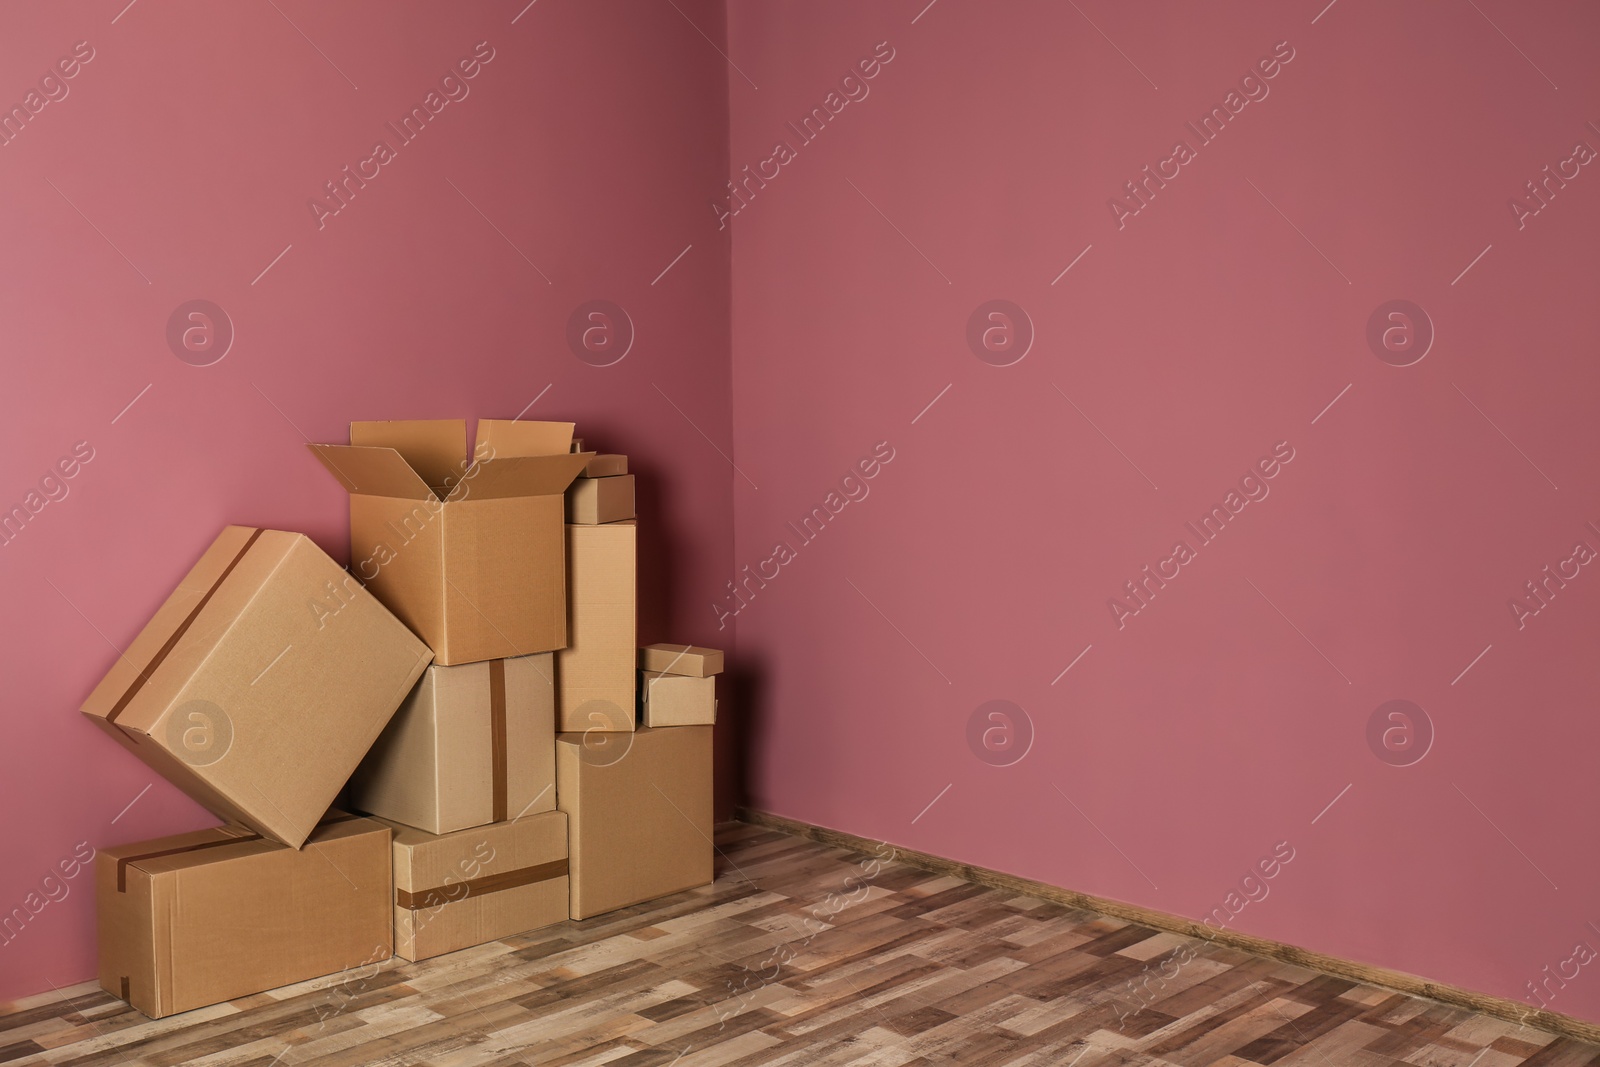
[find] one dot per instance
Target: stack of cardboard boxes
(474, 688)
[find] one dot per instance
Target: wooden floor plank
(799, 956)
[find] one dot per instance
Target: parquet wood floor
(810, 956)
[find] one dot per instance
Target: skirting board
(1398, 981)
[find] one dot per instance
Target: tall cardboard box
(218, 914)
(473, 744)
(638, 814)
(261, 682)
(457, 890)
(595, 672)
(469, 555)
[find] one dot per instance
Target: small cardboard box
(638, 814)
(472, 744)
(457, 890)
(597, 500)
(470, 556)
(261, 682)
(690, 660)
(605, 465)
(677, 700)
(214, 915)
(595, 676)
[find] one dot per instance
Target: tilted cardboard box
(690, 660)
(595, 677)
(638, 814)
(470, 556)
(597, 500)
(261, 682)
(214, 915)
(676, 700)
(473, 744)
(457, 890)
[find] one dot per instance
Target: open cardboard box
(467, 552)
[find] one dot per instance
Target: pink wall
(1223, 318)
(191, 143)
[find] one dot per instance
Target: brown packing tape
(497, 736)
(477, 887)
(177, 635)
(127, 861)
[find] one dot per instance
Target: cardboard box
(261, 682)
(472, 744)
(595, 676)
(577, 444)
(468, 555)
(638, 814)
(473, 886)
(597, 500)
(210, 916)
(605, 465)
(676, 700)
(690, 660)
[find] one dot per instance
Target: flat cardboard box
(214, 915)
(473, 744)
(690, 660)
(605, 465)
(470, 887)
(597, 500)
(595, 676)
(638, 814)
(469, 556)
(261, 682)
(677, 700)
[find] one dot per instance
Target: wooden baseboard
(1399, 981)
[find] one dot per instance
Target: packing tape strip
(124, 862)
(497, 736)
(232, 839)
(477, 887)
(177, 635)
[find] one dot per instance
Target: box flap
(492, 479)
(435, 448)
(512, 437)
(372, 471)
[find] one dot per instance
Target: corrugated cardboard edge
(681, 652)
(145, 673)
(1351, 970)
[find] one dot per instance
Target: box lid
(421, 459)
(513, 437)
(435, 448)
(495, 479)
(369, 471)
